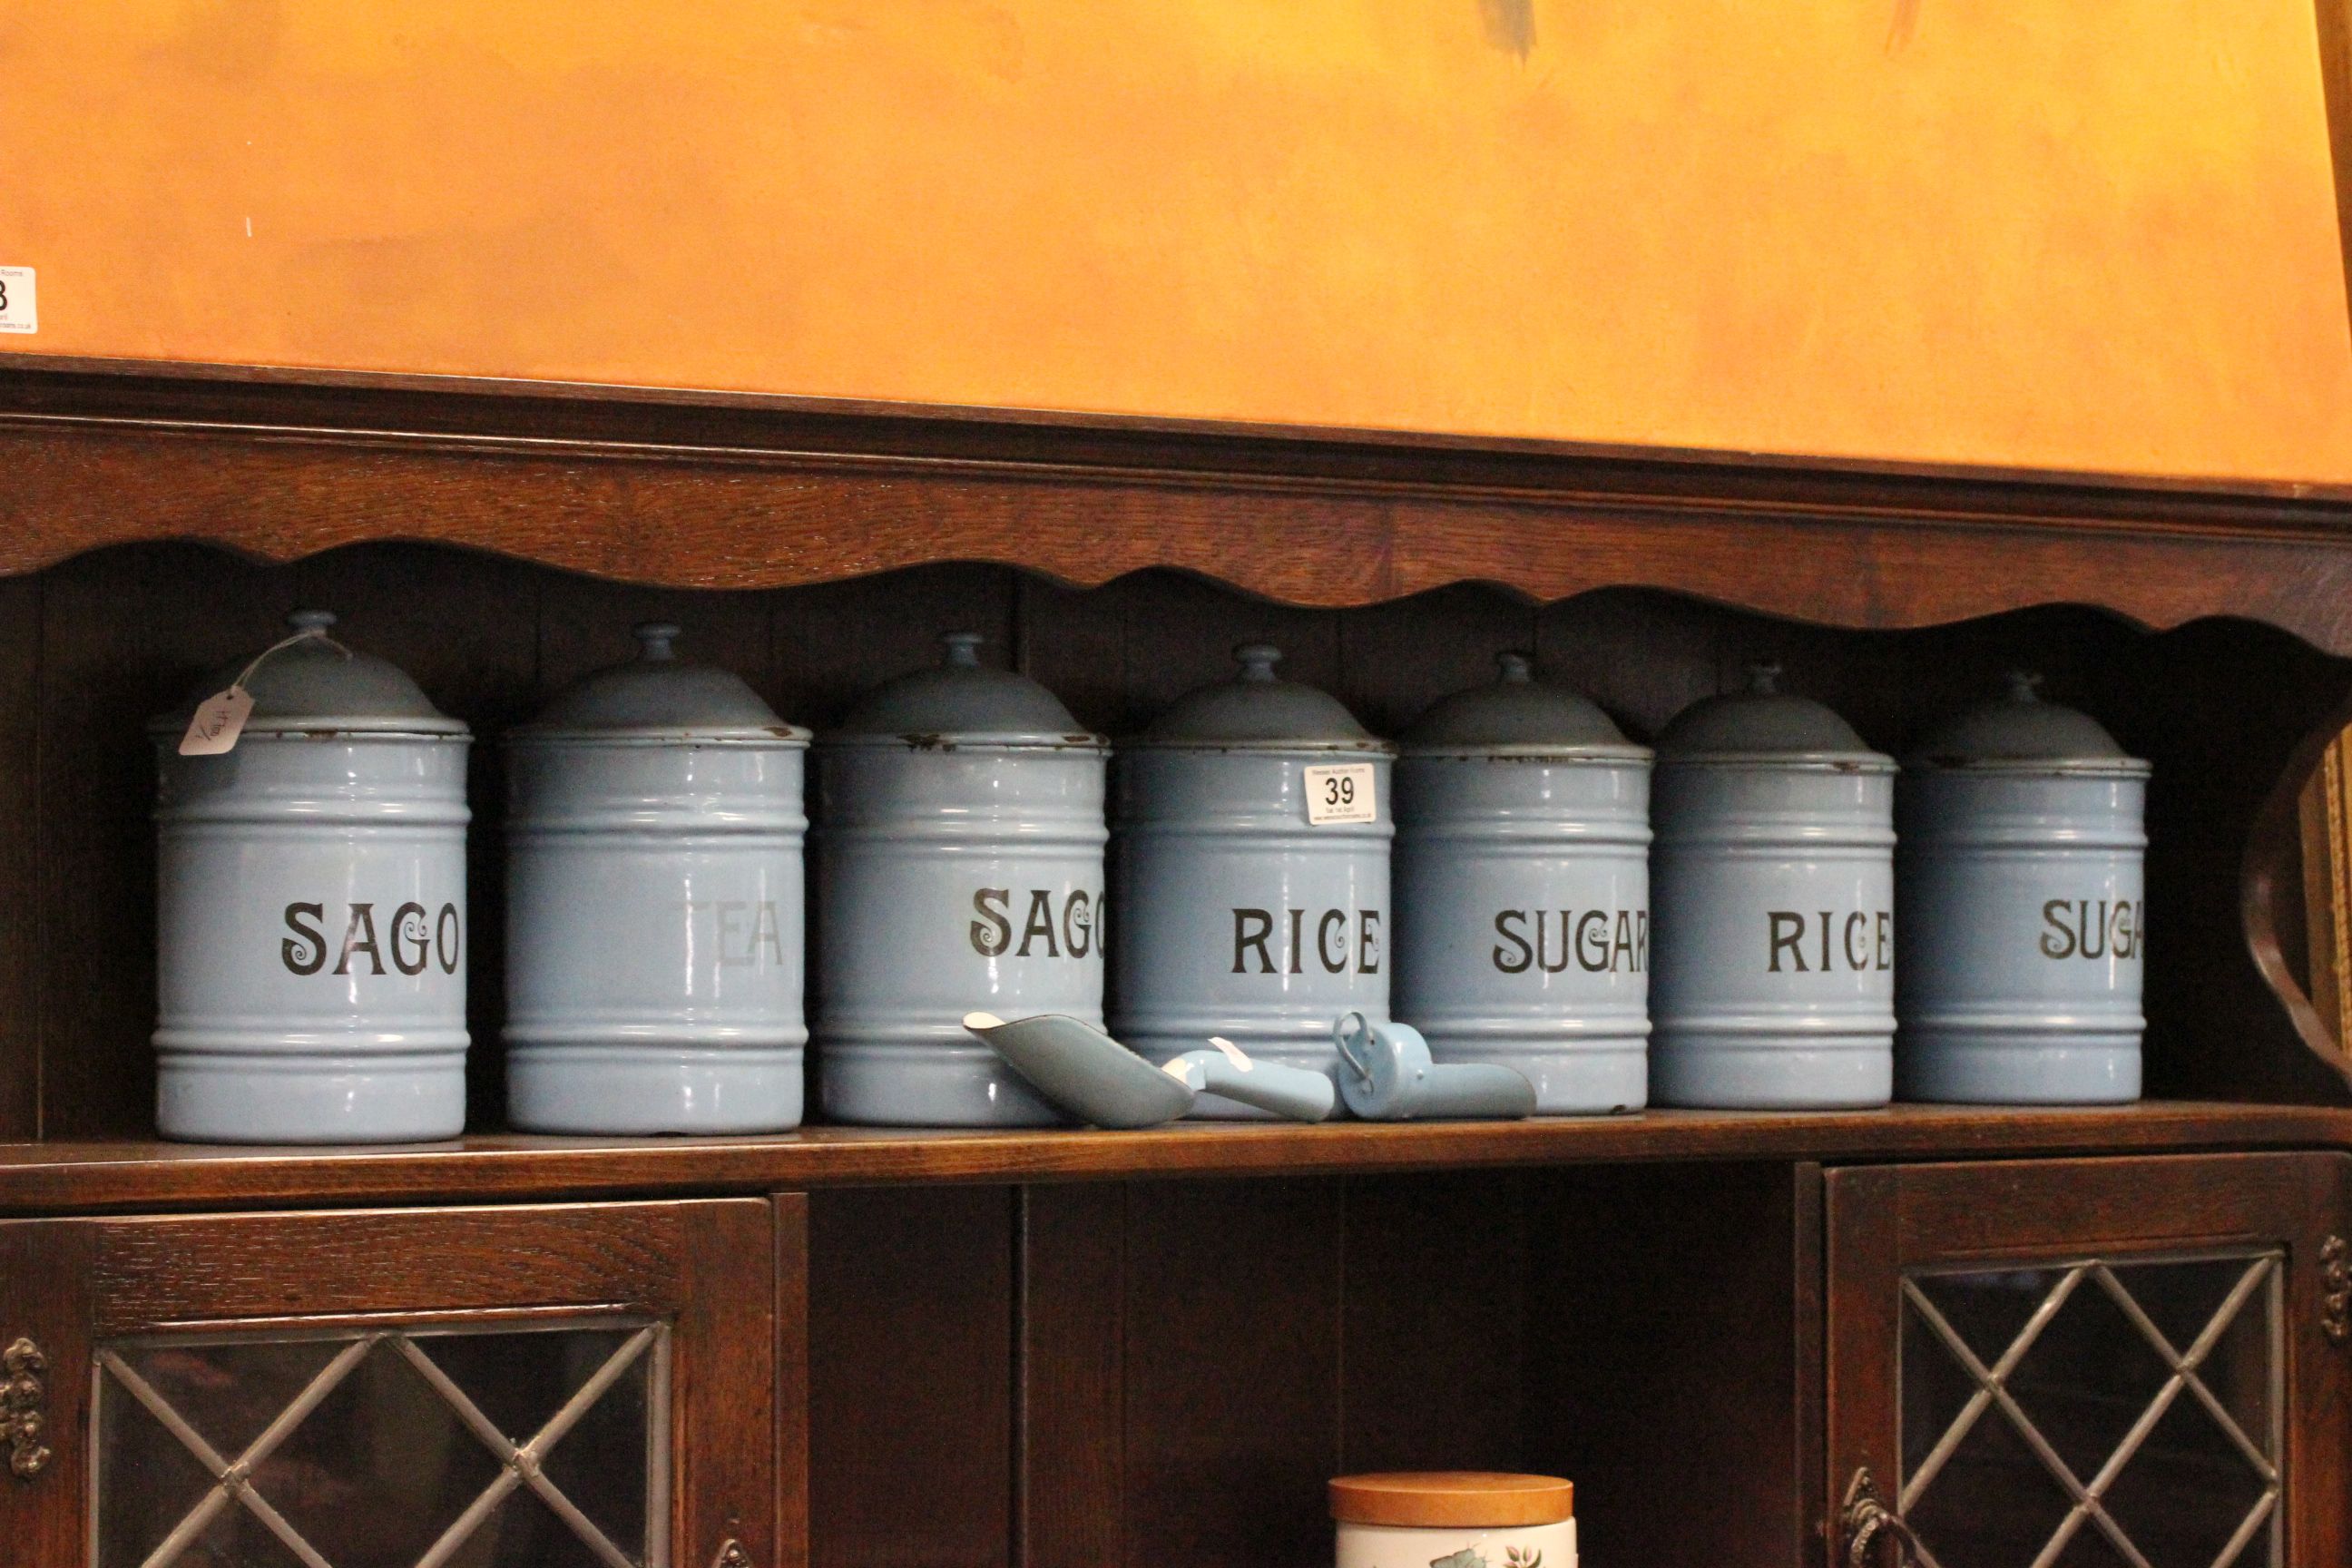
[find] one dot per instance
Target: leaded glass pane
(1992, 1505)
(2093, 1413)
(494, 1448)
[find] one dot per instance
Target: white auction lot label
(17, 301)
(1342, 792)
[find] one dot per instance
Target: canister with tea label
(310, 903)
(1773, 879)
(959, 869)
(655, 903)
(1523, 890)
(1251, 863)
(1454, 1519)
(2023, 907)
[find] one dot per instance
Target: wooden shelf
(126, 1175)
(717, 490)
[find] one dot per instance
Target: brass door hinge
(2335, 1288)
(24, 1398)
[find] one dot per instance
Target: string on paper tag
(219, 720)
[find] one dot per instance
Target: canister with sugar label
(1523, 890)
(2021, 885)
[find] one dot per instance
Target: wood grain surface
(153, 1273)
(46, 1177)
(910, 1387)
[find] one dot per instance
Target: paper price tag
(1340, 794)
(219, 720)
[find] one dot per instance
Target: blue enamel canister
(959, 868)
(1523, 890)
(1251, 868)
(655, 901)
(1773, 879)
(311, 908)
(2024, 913)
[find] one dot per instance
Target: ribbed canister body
(1523, 919)
(1774, 886)
(1239, 917)
(655, 946)
(2023, 922)
(311, 939)
(951, 877)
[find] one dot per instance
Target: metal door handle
(1868, 1524)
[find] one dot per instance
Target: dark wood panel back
(911, 1378)
(91, 649)
(1670, 1311)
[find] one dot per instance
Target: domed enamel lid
(1257, 709)
(658, 696)
(2018, 731)
(311, 682)
(961, 698)
(1520, 716)
(1766, 724)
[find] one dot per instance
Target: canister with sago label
(959, 846)
(1523, 890)
(311, 904)
(1773, 879)
(2021, 881)
(655, 901)
(1250, 868)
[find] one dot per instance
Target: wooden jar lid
(1476, 1499)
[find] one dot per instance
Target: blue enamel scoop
(1100, 1082)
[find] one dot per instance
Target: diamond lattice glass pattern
(2094, 1413)
(416, 1449)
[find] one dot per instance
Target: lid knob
(311, 620)
(2024, 685)
(654, 638)
(1764, 677)
(1257, 661)
(1517, 668)
(963, 649)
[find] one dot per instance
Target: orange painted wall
(2096, 234)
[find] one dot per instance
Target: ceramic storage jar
(1523, 890)
(655, 905)
(959, 868)
(1454, 1519)
(1773, 881)
(311, 908)
(2023, 913)
(1251, 859)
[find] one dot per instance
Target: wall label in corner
(17, 314)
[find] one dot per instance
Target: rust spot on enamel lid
(1472, 1499)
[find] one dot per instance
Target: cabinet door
(585, 1384)
(2134, 1362)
